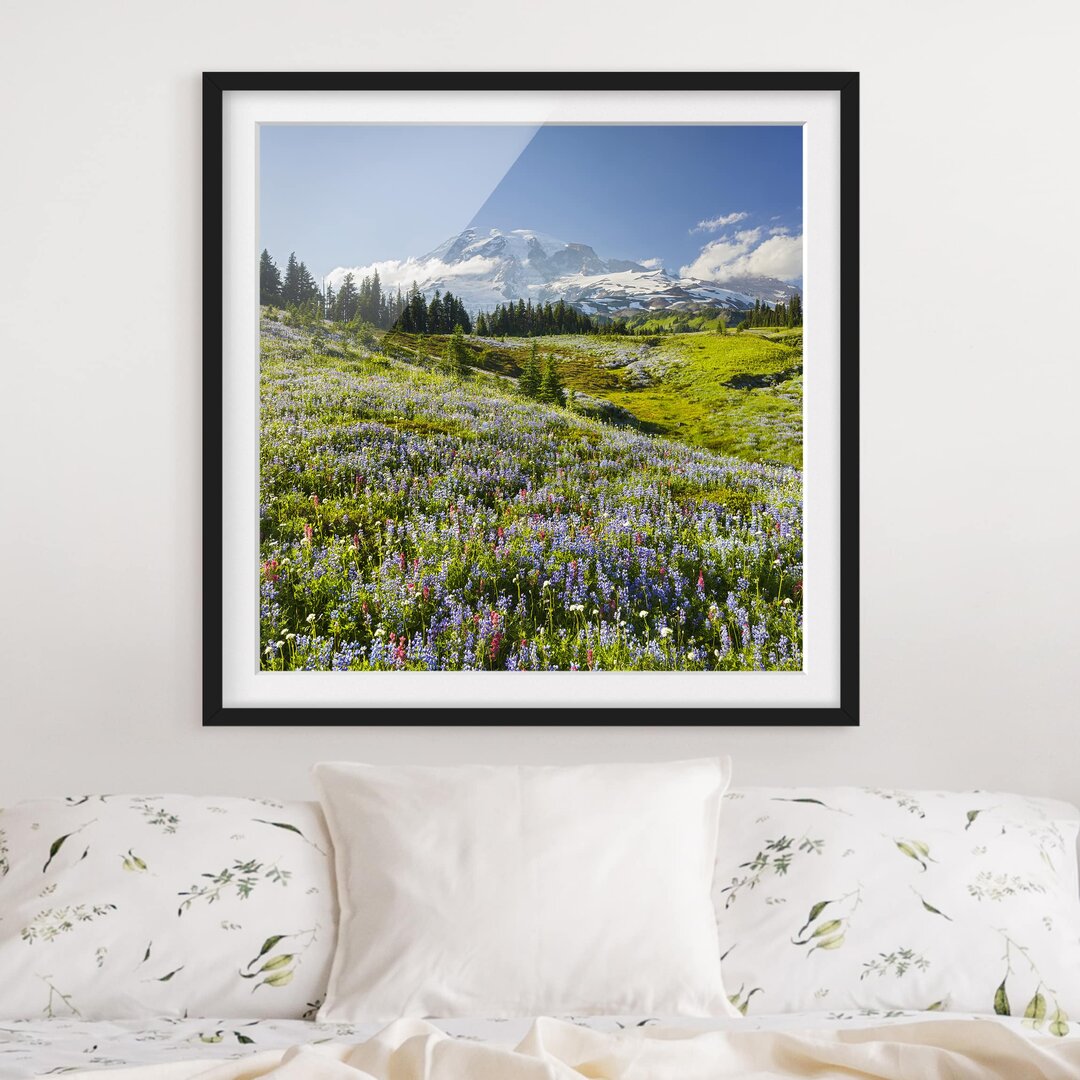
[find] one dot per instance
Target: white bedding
(65, 1046)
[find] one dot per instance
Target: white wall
(970, 516)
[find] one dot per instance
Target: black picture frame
(217, 84)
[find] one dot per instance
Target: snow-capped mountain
(488, 268)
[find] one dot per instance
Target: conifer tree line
(297, 287)
(789, 314)
(366, 302)
(525, 320)
(440, 316)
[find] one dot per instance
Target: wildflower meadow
(416, 521)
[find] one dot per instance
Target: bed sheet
(62, 1046)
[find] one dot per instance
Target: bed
(171, 1049)
(857, 931)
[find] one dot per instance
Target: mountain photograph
(537, 409)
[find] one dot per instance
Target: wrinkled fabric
(556, 1050)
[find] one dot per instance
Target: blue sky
(707, 201)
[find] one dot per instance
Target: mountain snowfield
(486, 268)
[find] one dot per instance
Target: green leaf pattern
(50, 923)
(891, 894)
(242, 877)
(206, 888)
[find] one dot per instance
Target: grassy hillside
(737, 393)
(412, 521)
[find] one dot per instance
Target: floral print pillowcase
(131, 906)
(853, 899)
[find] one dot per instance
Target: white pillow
(853, 898)
(502, 892)
(129, 906)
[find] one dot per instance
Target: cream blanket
(556, 1050)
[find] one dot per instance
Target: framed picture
(530, 394)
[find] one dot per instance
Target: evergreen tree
(457, 354)
(531, 375)
(417, 310)
(377, 315)
(308, 290)
(269, 280)
(348, 299)
(551, 390)
(290, 289)
(435, 314)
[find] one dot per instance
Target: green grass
(735, 393)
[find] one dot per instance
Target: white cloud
(779, 230)
(650, 264)
(403, 272)
(712, 224)
(742, 256)
(717, 253)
